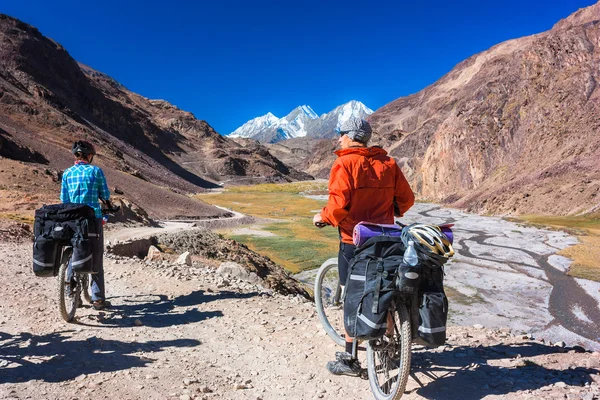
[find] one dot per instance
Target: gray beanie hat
(357, 129)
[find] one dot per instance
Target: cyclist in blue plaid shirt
(84, 183)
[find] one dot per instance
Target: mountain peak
(357, 105)
(579, 17)
(300, 122)
(308, 111)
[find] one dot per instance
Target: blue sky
(229, 61)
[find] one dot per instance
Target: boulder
(154, 254)
(237, 271)
(184, 259)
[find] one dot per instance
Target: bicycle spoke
(388, 358)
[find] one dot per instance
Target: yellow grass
(22, 218)
(586, 254)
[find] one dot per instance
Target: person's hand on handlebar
(318, 221)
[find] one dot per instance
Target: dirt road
(179, 332)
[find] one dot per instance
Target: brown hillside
(47, 100)
(513, 129)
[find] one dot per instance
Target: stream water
(505, 274)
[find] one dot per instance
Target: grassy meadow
(586, 254)
(285, 212)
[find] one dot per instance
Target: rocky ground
(181, 331)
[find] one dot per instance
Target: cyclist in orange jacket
(365, 184)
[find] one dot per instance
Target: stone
(188, 381)
(184, 259)
(560, 344)
(235, 270)
(478, 326)
(154, 254)
(205, 389)
(588, 396)
(138, 322)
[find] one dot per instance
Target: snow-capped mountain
(327, 124)
(302, 121)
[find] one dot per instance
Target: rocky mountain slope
(301, 122)
(513, 129)
(48, 100)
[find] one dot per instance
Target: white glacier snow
(300, 122)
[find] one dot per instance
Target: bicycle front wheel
(388, 358)
(67, 302)
(328, 300)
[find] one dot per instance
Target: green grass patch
(293, 187)
(294, 255)
(298, 244)
(586, 254)
(461, 298)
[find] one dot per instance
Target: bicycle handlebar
(111, 210)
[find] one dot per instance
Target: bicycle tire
(85, 288)
(328, 298)
(67, 305)
(395, 356)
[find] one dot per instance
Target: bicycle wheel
(85, 287)
(328, 300)
(388, 358)
(67, 304)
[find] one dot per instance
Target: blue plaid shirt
(84, 184)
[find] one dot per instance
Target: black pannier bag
(55, 226)
(45, 256)
(370, 286)
(433, 313)
(82, 259)
(433, 307)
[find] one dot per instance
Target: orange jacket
(365, 185)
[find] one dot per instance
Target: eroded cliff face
(514, 129)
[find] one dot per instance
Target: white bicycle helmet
(429, 240)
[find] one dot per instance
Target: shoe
(344, 365)
(101, 304)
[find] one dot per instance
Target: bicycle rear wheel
(67, 304)
(388, 358)
(328, 300)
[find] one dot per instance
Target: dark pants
(98, 256)
(345, 257)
